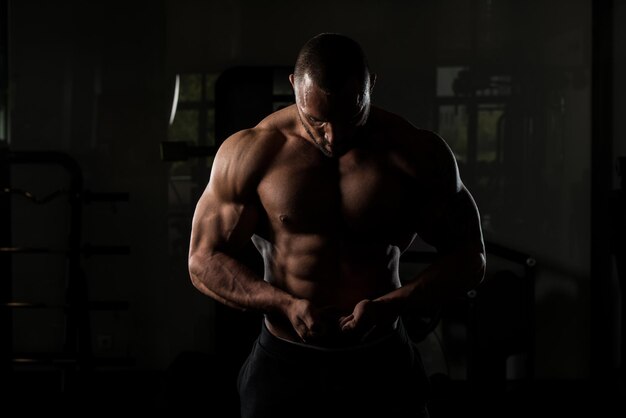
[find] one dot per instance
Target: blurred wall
(88, 79)
(95, 80)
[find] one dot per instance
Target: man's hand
(366, 317)
(307, 320)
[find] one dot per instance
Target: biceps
(222, 226)
(454, 224)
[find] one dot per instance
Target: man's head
(333, 85)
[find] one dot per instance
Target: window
(194, 124)
(471, 111)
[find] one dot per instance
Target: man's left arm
(448, 220)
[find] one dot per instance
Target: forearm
(447, 278)
(232, 283)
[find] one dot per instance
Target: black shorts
(384, 378)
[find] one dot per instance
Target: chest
(365, 195)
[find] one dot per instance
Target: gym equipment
(76, 353)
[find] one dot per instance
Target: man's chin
(328, 153)
(339, 151)
(336, 153)
(333, 152)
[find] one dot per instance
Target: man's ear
(292, 80)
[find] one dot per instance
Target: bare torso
(332, 229)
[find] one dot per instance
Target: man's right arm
(224, 220)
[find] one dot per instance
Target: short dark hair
(331, 59)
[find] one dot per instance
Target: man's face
(332, 120)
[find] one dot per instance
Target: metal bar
(93, 305)
(87, 250)
(89, 197)
(509, 254)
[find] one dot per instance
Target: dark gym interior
(111, 112)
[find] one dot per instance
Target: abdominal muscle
(331, 277)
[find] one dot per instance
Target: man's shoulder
(421, 153)
(242, 159)
(421, 146)
(253, 144)
(268, 135)
(404, 130)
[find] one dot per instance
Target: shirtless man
(332, 190)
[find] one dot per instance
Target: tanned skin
(332, 190)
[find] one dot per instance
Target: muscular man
(332, 190)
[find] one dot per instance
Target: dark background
(97, 301)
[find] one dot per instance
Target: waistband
(291, 349)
